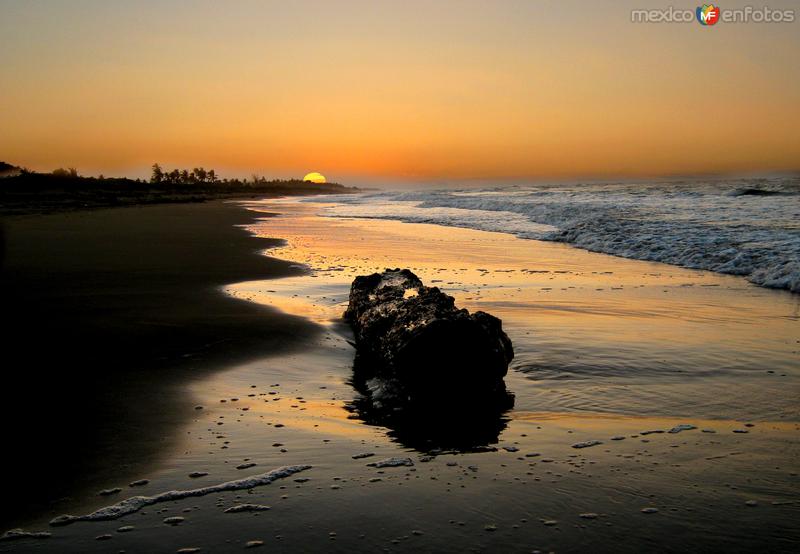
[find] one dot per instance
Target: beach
(107, 314)
(655, 406)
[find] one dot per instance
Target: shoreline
(613, 440)
(122, 307)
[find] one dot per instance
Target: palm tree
(158, 174)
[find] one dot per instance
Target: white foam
(136, 503)
(700, 225)
(14, 534)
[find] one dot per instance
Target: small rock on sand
(363, 455)
(392, 462)
(174, 520)
(126, 529)
(586, 444)
(139, 483)
(189, 550)
(109, 492)
(253, 544)
(102, 537)
(751, 503)
(588, 515)
(682, 427)
(649, 510)
(511, 449)
(246, 466)
(196, 474)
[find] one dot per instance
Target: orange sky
(400, 90)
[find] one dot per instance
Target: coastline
(678, 465)
(121, 307)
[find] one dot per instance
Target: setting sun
(314, 177)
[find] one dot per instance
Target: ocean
(745, 227)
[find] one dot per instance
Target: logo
(707, 14)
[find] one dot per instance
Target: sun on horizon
(314, 177)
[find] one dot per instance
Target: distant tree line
(199, 175)
(69, 172)
(160, 176)
(183, 176)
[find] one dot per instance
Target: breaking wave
(746, 227)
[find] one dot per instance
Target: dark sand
(106, 315)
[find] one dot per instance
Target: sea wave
(747, 227)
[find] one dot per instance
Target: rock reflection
(460, 421)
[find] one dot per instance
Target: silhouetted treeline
(27, 191)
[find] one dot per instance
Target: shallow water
(607, 349)
(611, 335)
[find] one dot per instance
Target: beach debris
(363, 455)
(247, 465)
(586, 444)
(652, 432)
(422, 346)
(139, 483)
(751, 503)
(253, 544)
(511, 449)
(682, 427)
(239, 508)
(741, 431)
(588, 515)
(136, 503)
(126, 529)
(109, 492)
(174, 520)
(649, 510)
(22, 534)
(392, 462)
(103, 537)
(618, 438)
(188, 550)
(490, 527)
(196, 474)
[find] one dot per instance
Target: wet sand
(616, 351)
(106, 315)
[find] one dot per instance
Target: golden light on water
(314, 177)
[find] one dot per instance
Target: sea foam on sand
(136, 503)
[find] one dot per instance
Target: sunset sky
(371, 90)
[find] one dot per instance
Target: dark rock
(415, 337)
(415, 349)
